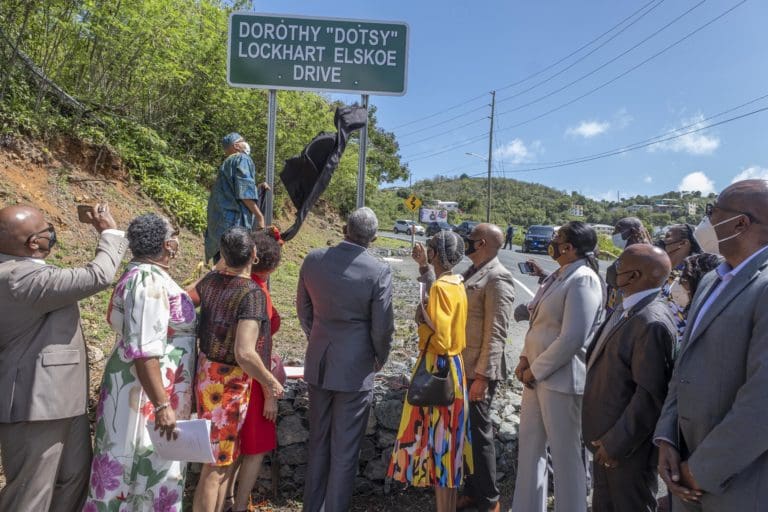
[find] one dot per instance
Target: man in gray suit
(628, 366)
(490, 295)
(344, 304)
(44, 434)
(713, 430)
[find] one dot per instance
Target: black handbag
(430, 389)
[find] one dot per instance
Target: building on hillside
(634, 208)
(577, 210)
(666, 206)
(451, 206)
(602, 229)
(691, 208)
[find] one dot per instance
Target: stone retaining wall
(376, 447)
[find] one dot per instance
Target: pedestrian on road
(712, 437)
(44, 431)
(510, 234)
(629, 363)
(563, 316)
(344, 305)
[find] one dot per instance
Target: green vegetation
(147, 81)
(524, 204)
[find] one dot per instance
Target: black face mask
(469, 246)
(661, 244)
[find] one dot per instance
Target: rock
(367, 450)
(95, 354)
(495, 418)
(300, 473)
(386, 439)
(375, 470)
(293, 455)
(370, 428)
(507, 431)
(388, 413)
(363, 487)
(291, 430)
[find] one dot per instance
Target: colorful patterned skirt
(222, 392)
(433, 446)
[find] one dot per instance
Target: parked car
(406, 226)
(465, 227)
(537, 238)
(435, 227)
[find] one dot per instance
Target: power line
(533, 75)
(625, 73)
(534, 86)
(444, 132)
(432, 152)
(663, 135)
(548, 79)
(633, 147)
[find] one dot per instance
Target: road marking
(525, 288)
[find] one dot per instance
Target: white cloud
(696, 181)
(698, 143)
(648, 179)
(622, 118)
(517, 152)
(588, 129)
(752, 173)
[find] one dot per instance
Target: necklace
(229, 272)
(153, 262)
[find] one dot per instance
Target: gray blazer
(560, 329)
(716, 410)
(344, 304)
(43, 361)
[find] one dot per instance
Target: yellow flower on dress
(212, 395)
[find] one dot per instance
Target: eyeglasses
(710, 208)
(51, 234)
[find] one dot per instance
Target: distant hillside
(524, 204)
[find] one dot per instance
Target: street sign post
(268, 51)
(317, 54)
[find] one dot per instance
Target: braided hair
(449, 248)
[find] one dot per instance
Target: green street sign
(270, 51)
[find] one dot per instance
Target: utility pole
(490, 157)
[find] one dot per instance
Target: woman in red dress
(259, 434)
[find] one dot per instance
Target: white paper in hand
(192, 445)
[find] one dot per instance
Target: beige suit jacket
(43, 362)
(490, 298)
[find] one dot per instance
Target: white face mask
(619, 242)
(679, 294)
(706, 235)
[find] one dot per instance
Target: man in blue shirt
(234, 196)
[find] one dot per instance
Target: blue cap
(230, 139)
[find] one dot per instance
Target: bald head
(17, 223)
(652, 263)
(490, 233)
(750, 196)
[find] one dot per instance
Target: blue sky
(460, 50)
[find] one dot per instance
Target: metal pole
(490, 158)
(271, 136)
(413, 214)
(361, 157)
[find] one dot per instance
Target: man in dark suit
(44, 433)
(713, 430)
(344, 304)
(628, 366)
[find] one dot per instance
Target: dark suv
(537, 238)
(435, 227)
(465, 228)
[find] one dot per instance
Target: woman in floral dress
(147, 379)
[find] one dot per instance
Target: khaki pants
(47, 465)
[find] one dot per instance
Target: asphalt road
(525, 285)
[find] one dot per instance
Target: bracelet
(162, 406)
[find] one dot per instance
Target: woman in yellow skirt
(433, 443)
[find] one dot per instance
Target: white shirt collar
(726, 272)
(632, 300)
